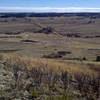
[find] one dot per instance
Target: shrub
(52, 55)
(98, 58)
(63, 52)
(46, 30)
(84, 58)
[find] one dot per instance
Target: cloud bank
(48, 9)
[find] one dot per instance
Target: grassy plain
(53, 54)
(86, 44)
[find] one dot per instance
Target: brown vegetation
(40, 77)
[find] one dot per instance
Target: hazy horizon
(49, 6)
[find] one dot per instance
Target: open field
(79, 35)
(50, 58)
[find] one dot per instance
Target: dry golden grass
(49, 64)
(52, 74)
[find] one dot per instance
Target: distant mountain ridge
(21, 15)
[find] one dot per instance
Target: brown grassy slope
(56, 66)
(51, 77)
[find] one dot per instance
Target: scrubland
(28, 78)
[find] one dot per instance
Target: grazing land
(50, 56)
(78, 34)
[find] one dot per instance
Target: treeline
(21, 15)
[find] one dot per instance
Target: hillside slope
(25, 78)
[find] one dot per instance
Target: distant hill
(21, 15)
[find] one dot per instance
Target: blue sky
(50, 5)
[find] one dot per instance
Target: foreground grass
(50, 80)
(56, 66)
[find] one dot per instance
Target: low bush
(98, 58)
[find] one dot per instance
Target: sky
(49, 5)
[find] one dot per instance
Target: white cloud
(48, 9)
